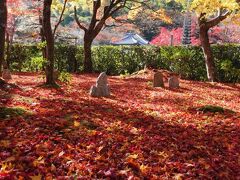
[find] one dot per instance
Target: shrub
(227, 59)
(21, 54)
(116, 60)
(186, 61)
(65, 58)
(64, 77)
(35, 64)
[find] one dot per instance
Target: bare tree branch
(221, 16)
(60, 18)
(96, 6)
(77, 20)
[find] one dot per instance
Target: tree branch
(213, 22)
(117, 8)
(96, 6)
(77, 20)
(60, 18)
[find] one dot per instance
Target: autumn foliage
(139, 132)
(164, 38)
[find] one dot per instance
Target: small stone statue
(101, 89)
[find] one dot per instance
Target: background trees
(210, 13)
(16, 10)
(3, 25)
(145, 17)
(101, 11)
(157, 14)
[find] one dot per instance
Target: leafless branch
(77, 20)
(60, 18)
(221, 16)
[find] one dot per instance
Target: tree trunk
(87, 63)
(50, 65)
(7, 63)
(209, 59)
(3, 25)
(47, 29)
(42, 37)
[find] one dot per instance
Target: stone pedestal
(173, 82)
(158, 80)
(101, 89)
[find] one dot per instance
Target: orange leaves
(161, 15)
(6, 167)
(5, 143)
(38, 161)
(132, 162)
(134, 131)
(36, 177)
(76, 123)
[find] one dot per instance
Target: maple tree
(148, 22)
(101, 11)
(233, 33)
(49, 34)
(35, 10)
(225, 34)
(43, 10)
(15, 12)
(210, 13)
(164, 37)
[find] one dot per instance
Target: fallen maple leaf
(5, 143)
(144, 169)
(37, 177)
(133, 156)
(38, 161)
(134, 131)
(61, 153)
(178, 176)
(76, 124)
(6, 167)
(12, 158)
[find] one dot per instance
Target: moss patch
(212, 109)
(88, 124)
(11, 112)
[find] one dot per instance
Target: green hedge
(116, 60)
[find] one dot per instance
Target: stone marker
(6, 74)
(173, 82)
(158, 80)
(101, 89)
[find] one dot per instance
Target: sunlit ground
(139, 132)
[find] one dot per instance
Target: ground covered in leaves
(139, 132)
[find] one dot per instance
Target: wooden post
(171, 40)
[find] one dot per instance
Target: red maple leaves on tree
(217, 35)
(164, 38)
